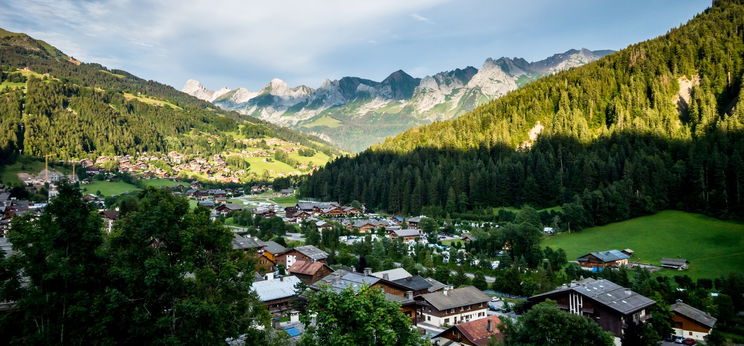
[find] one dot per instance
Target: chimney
(269, 276)
(446, 289)
(386, 276)
(294, 316)
(628, 292)
(367, 271)
(409, 295)
(281, 278)
(488, 326)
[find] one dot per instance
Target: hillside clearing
(713, 247)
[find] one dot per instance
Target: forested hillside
(656, 125)
(51, 103)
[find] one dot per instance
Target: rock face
(354, 112)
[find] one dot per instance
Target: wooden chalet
(452, 306)
(612, 306)
(690, 322)
(306, 253)
(309, 272)
(603, 259)
(675, 263)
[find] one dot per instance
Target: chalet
(690, 322)
(674, 263)
(307, 253)
(295, 213)
(217, 193)
(467, 237)
(603, 259)
(309, 272)
(323, 225)
(352, 211)
(413, 223)
(342, 279)
(286, 192)
(109, 217)
(315, 207)
(365, 226)
(266, 251)
(405, 234)
(206, 203)
(334, 211)
(476, 332)
(228, 208)
(276, 293)
(452, 306)
(612, 306)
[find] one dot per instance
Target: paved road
(489, 279)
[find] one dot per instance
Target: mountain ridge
(369, 111)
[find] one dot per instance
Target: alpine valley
(54, 105)
(354, 113)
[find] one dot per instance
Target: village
(443, 313)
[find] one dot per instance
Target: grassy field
(161, 182)
(324, 121)
(713, 247)
(151, 101)
(9, 173)
(318, 159)
(108, 188)
(259, 166)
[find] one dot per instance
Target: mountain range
(354, 112)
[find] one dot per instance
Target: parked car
(678, 339)
(688, 341)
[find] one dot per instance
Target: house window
(428, 318)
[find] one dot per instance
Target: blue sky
(241, 43)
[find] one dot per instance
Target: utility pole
(46, 167)
(74, 177)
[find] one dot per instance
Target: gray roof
(416, 219)
(312, 252)
(455, 298)
(341, 279)
(607, 293)
(694, 314)
(243, 243)
(305, 205)
(407, 233)
(375, 223)
(609, 255)
(272, 247)
(393, 274)
(414, 283)
(268, 290)
(435, 285)
(674, 261)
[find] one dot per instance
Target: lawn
(150, 101)
(287, 201)
(713, 247)
(259, 165)
(161, 183)
(108, 188)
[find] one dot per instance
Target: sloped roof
(268, 290)
(407, 233)
(435, 285)
(694, 314)
(609, 255)
(393, 274)
(312, 252)
(306, 268)
(342, 279)
(674, 261)
(414, 283)
(607, 293)
(455, 298)
(272, 246)
(476, 331)
(243, 243)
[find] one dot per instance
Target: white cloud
(420, 18)
(285, 36)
